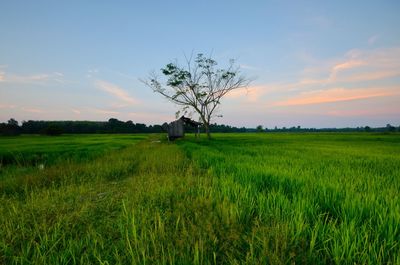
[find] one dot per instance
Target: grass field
(31, 150)
(316, 198)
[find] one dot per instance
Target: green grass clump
(237, 199)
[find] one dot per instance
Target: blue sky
(314, 63)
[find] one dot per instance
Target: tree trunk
(207, 128)
(206, 124)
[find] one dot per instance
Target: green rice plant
(315, 198)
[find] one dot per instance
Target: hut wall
(175, 129)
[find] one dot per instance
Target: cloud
(353, 84)
(150, 117)
(26, 78)
(92, 72)
(252, 93)
(8, 77)
(366, 65)
(32, 110)
(118, 105)
(375, 75)
(7, 106)
(373, 39)
(364, 112)
(337, 94)
(76, 111)
(103, 111)
(341, 79)
(356, 66)
(116, 91)
(346, 65)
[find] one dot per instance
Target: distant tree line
(11, 127)
(387, 128)
(219, 128)
(75, 127)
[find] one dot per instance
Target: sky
(313, 63)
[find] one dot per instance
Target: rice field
(306, 198)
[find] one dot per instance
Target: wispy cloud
(251, 94)
(16, 109)
(355, 66)
(150, 117)
(8, 77)
(92, 72)
(104, 111)
(116, 91)
(76, 111)
(364, 112)
(367, 65)
(374, 75)
(7, 106)
(373, 39)
(342, 66)
(337, 94)
(32, 110)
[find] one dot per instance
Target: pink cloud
(32, 110)
(239, 93)
(355, 66)
(251, 94)
(350, 64)
(116, 91)
(335, 95)
(103, 111)
(7, 106)
(28, 79)
(347, 65)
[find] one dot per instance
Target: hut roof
(190, 122)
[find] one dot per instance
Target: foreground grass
(309, 198)
(28, 150)
(240, 198)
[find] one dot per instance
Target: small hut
(176, 129)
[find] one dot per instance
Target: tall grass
(312, 198)
(237, 199)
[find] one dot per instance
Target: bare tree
(199, 86)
